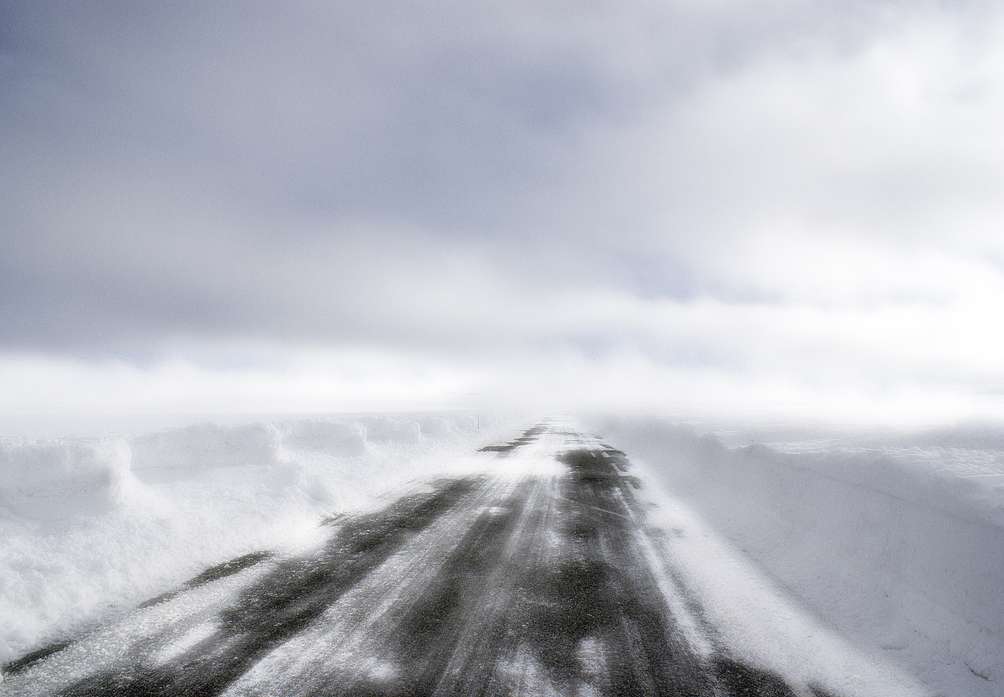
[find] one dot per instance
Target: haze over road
(539, 577)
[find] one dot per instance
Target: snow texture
(809, 553)
(92, 527)
(896, 541)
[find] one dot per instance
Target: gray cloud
(476, 183)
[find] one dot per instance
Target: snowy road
(538, 577)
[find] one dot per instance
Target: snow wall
(900, 548)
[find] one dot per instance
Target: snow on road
(538, 572)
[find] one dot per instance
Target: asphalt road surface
(534, 583)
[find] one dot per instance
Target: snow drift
(897, 542)
(90, 528)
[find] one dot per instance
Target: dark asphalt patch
(16, 666)
(528, 436)
(605, 591)
(570, 603)
(587, 465)
(228, 568)
(743, 680)
(426, 636)
(504, 448)
(213, 573)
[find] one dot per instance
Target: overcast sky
(769, 208)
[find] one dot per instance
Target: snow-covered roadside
(90, 528)
(900, 549)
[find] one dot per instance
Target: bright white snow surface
(797, 546)
(89, 528)
(896, 541)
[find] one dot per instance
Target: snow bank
(53, 481)
(329, 437)
(207, 446)
(894, 543)
(91, 528)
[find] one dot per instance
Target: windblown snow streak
(539, 576)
